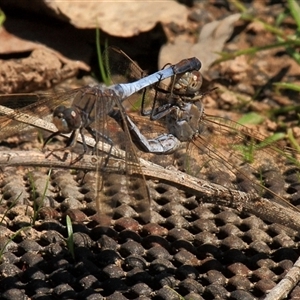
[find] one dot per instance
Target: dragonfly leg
(97, 136)
(70, 143)
(149, 112)
(157, 113)
(162, 111)
(73, 140)
(50, 137)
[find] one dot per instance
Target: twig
(283, 288)
(250, 203)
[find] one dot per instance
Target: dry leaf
(40, 70)
(211, 40)
(44, 66)
(120, 18)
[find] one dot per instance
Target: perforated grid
(190, 249)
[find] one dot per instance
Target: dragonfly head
(188, 83)
(66, 119)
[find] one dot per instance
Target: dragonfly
(222, 150)
(88, 109)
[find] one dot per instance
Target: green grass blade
(70, 239)
(103, 72)
(252, 50)
(292, 140)
(271, 139)
(11, 239)
(37, 207)
(239, 5)
(295, 11)
(287, 85)
(251, 118)
(10, 207)
(248, 151)
(2, 17)
(281, 17)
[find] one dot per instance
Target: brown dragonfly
(172, 119)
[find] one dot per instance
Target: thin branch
(250, 203)
(283, 288)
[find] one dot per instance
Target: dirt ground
(236, 239)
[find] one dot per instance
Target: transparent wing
(122, 69)
(109, 182)
(94, 103)
(33, 105)
(136, 182)
(89, 109)
(235, 156)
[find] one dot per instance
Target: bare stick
(251, 203)
(254, 204)
(283, 288)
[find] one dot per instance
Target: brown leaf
(211, 40)
(121, 18)
(40, 70)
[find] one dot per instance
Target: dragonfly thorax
(184, 122)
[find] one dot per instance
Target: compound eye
(195, 82)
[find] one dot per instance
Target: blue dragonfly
(90, 109)
(172, 117)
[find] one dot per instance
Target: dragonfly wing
(136, 182)
(121, 68)
(10, 107)
(111, 186)
(31, 106)
(227, 148)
